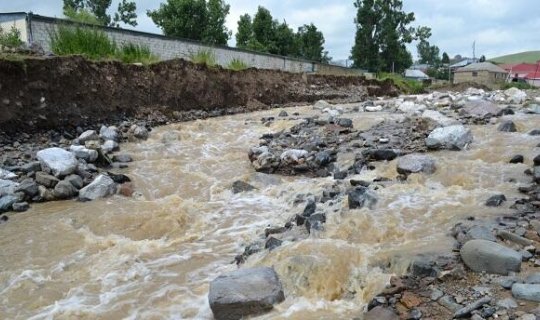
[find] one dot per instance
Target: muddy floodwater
(153, 256)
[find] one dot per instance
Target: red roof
(521, 68)
(533, 75)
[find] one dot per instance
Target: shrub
(82, 16)
(130, 53)
(89, 42)
(11, 39)
(204, 57)
(237, 65)
(405, 85)
(519, 85)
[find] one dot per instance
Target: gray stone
(530, 292)
(515, 95)
(536, 174)
(415, 163)
(88, 135)
(7, 187)
(479, 232)
(109, 146)
(81, 152)
(139, 132)
(46, 194)
(496, 200)
(507, 126)
(452, 137)
(122, 158)
(101, 187)
(46, 180)
(439, 118)
(481, 109)
(533, 278)
(436, 294)
(245, 292)
(449, 303)
(344, 122)
(491, 257)
(381, 313)
(241, 186)
(75, 180)
(514, 238)
(20, 206)
(466, 311)
(109, 133)
(58, 161)
(7, 175)
(508, 282)
(361, 197)
(31, 167)
(6, 202)
(64, 190)
(29, 187)
(507, 303)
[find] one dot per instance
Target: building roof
(413, 73)
(521, 67)
(463, 63)
(482, 66)
(533, 76)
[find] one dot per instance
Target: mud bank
(63, 93)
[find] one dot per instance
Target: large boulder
(481, 109)
(7, 201)
(507, 126)
(455, 137)
(88, 135)
(515, 95)
(58, 161)
(526, 291)
(101, 187)
(491, 257)
(109, 133)
(82, 152)
(7, 187)
(7, 175)
(245, 292)
(415, 163)
(64, 190)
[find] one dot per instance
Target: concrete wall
(482, 77)
(18, 21)
(169, 48)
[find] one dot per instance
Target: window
(475, 74)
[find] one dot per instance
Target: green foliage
(438, 73)
(312, 44)
(11, 39)
(204, 57)
(131, 53)
(428, 54)
(382, 32)
(96, 12)
(445, 58)
(245, 31)
(405, 85)
(237, 65)
(193, 19)
(519, 85)
(482, 59)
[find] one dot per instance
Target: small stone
(65, 190)
(496, 200)
(122, 158)
(344, 122)
(361, 197)
(88, 135)
(46, 180)
(283, 113)
(517, 159)
(507, 126)
(466, 311)
(410, 300)
(20, 206)
(241, 186)
(535, 132)
(272, 243)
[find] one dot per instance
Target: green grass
(131, 53)
(522, 57)
(237, 65)
(11, 39)
(519, 85)
(204, 57)
(405, 85)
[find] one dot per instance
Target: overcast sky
(498, 26)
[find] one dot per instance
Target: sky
(497, 26)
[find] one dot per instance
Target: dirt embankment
(63, 93)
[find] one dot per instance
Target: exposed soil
(63, 93)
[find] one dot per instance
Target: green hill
(523, 57)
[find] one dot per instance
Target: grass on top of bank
(405, 85)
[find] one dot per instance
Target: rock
(507, 303)
(293, 155)
(20, 206)
(373, 109)
(507, 282)
(46, 194)
(33, 166)
(315, 222)
(530, 292)
(449, 303)
(534, 108)
(361, 197)
(514, 238)
(109, 133)
(381, 313)
(7, 187)
(479, 232)
(7, 175)
(517, 159)
(119, 178)
(344, 122)
(65, 190)
(415, 163)
(58, 161)
(322, 158)
(439, 118)
(491, 257)
(411, 107)
(321, 104)
(382, 154)
(88, 135)
(283, 113)
(101, 187)
(436, 294)
(109, 146)
(455, 137)
(29, 187)
(122, 158)
(535, 132)
(46, 180)
(126, 189)
(507, 126)
(245, 292)
(496, 200)
(423, 266)
(466, 311)
(75, 180)
(272, 243)
(515, 95)
(241, 186)
(82, 152)
(536, 160)
(410, 300)
(6, 202)
(481, 109)
(533, 278)
(139, 132)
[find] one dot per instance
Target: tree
(216, 32)
(181, 18)
(312, 44)
(96, 12)
(264, 29)
(382, 32)
(245, 31)
(482, 58)
(428, 54)
(445, 58)
(286, 41)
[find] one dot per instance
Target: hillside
(526, 57)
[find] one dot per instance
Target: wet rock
(381, 313)
(515, 95)
(245, 292)
(33, 166)
(75, 180)
(533, 278)
(126, 189)
(241, 186)
(361, 197)
(536, 160)
(46, 194)
(507, 126)
(479, 232)
(529, 292)
(7, 187)
(122, 158)
(344, 122)
(415, 314)
(517, 159)
(65, 190)
(466, 311)
(46, 180)
(119, 178)
(309, 208)
(535, 132)
(6, 202)
(88, 135)
(109, 133)
(496, 200)
(315, 222)
(481, 109)
(109, 146)
(423, 266)
(381, 154)
(29, 187)
(82, 152)
(373, 108)
(20, 206)
(455, 137)
(340, 175)
(283, 113)
(58, 161)
(101, 187)
(7, 175)
(272, 243)
(139, 132)
(415, 163)
(491, 257)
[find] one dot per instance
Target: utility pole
(474, 50)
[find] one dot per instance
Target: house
(463, 63)
(522, 72)
(414, 74)
(485, 73)
(533, 79)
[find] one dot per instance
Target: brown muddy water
(153, 256)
